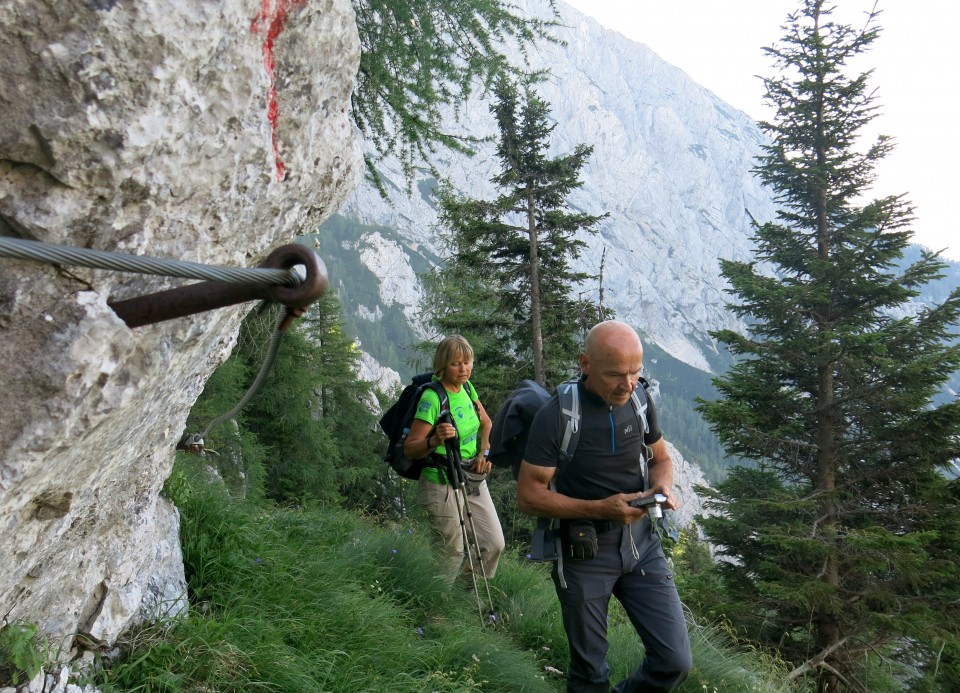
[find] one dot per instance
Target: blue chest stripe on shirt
(613, 433)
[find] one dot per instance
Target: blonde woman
(430, 434)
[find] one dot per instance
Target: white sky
(916, 62)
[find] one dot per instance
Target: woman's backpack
(396, 422)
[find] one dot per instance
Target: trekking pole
(456, 461)
(452, 479)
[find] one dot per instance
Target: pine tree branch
(818, 662)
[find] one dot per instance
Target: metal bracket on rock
(204, 296)
(193, 443)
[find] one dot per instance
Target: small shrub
(22, 653)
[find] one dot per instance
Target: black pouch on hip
(582, 537)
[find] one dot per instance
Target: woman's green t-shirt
(465, 417)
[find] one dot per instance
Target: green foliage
(308, 434)
(343, 402)
(724, 663)
(837, 539)
(23, 651)
(234, 451)
(517, 526)
(694, 561)
(296, 600)
(463, 302)
(419, 57)
(282, 416)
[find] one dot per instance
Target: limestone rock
(208, 132)
(686, 476)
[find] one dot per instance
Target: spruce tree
(343, 404)
(282, 415)
(841, 556)
(512, 256)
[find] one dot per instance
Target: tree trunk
(826, 625)
(535, 306)
(827, 630)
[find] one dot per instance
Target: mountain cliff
(671, 165)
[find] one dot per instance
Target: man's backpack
(508, 437)
(508, 441)
(396, 422)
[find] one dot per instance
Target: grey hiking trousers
(635, 571)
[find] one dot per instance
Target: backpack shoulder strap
(570, 414)
(569, 394)
(474, 398)
(441, 392)
(640, 404)
(640, 409)
(471, 391)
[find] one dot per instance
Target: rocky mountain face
(671, 165)
(208, 132)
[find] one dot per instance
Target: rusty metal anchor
(204, 296)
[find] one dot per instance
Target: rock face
(686, 476)
(208, 132)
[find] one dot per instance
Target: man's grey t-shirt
(608, 458)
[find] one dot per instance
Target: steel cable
(257, 382)
(122, 262)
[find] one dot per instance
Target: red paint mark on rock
(270, 22)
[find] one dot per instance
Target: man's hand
(649, 500)
(672, 503)
(535, 498)
(618, 508)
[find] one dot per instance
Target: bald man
(597, 484)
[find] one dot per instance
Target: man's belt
(603, 526)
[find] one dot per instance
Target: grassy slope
(326, 600)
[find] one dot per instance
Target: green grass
(312, 600)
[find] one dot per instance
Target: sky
(916, 63)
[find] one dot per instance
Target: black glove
(582, 536)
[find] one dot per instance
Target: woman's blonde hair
(448, 350)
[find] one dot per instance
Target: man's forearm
(548, 503)
(660, 467)
(661, 473)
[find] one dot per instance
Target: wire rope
(123, 262)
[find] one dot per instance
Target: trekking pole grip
(452, 446)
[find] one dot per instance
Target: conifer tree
(282, 415)
(513, 256)
(308, 427)
(342, 404)
(841, 554)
